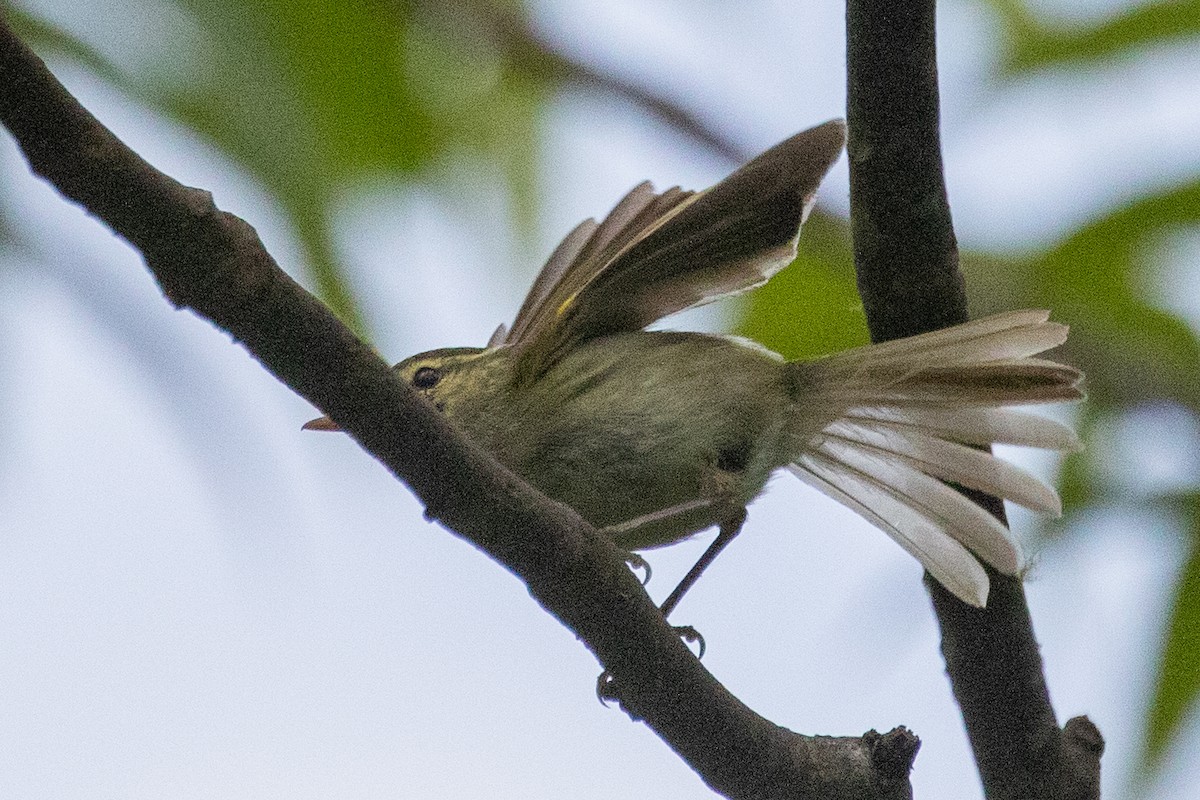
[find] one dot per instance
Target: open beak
(320, 424)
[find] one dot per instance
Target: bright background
(198, 600)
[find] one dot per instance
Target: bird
(654, 436)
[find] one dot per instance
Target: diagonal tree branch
(213, 262)
(906, 259)
(512, 34)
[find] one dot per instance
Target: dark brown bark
(906, 259)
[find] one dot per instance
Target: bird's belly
(637, 424)
(688, 482)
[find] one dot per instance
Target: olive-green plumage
(653, 436)
(629, 424)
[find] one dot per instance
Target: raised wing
(656, 254)
(588, 250)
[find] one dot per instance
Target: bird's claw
(637, 563)
(606, 684)
(606, 688)
(691, 636)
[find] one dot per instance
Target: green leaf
(812, 307)
(1034, 44)
(1079, 482)
(1132, 351)
(43, 37)
(1178, 684)
(316, 99)
(310, 98)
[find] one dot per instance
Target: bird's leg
(722, 482)
(729, 528)
(635, 561)
(606, 689)
(657, 516)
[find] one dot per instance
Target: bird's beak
(320, 424)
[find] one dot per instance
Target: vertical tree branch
(906, 259)
(905, 253)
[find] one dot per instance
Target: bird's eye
(426, 377)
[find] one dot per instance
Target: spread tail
(881, 427)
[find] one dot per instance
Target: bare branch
(906, 258)
(533, 53)
(213, 262)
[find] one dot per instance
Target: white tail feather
(944, 557)
(966, 522)
(954, 339)
(880, 427)
(980, 426)
(1013, 337)
(950, 461)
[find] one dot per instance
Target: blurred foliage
(314, 98)
(1133, 353)
(1034, 43)
(311, 98)
(1179, 678)
(811, 308)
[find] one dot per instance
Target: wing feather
(656, 254)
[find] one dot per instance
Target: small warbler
(654, 436)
